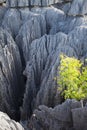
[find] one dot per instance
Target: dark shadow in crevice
(3, 4)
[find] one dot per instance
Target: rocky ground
(33, 34)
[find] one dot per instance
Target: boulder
(8, 124)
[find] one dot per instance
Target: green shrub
(72, 78)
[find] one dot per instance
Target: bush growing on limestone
(72, 78)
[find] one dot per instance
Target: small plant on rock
(72, 78)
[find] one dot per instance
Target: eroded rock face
(12, 21)
(7, 124)
(59, 118)
(11, 84)
(32, 29)
(2, 13)
(43, 63)
(58, 21)
(79, 118)
(36, 36)
(73, 7)
(19, 3)
(37, 66)
(78, 7)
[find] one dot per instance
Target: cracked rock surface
(33, 34)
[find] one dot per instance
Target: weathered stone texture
(32, 37)
(19, 3)
(80, 118)
(60, 117)
(11, 88)
(7, 124)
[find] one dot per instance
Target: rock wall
(33, 34)
(11, 83)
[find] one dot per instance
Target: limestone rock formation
(11, 84)
(37, 66)
(42, 66)
(35, 27)
(59, 118)
(2, 13)
(58, 21)
(73, 7)
(78, 7)
(79, 118)
(12, 21)
(22, 3)
(7, 124)
(33, 34)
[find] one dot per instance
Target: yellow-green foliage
(72, 78)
